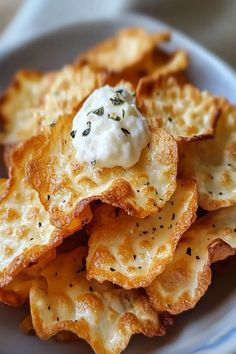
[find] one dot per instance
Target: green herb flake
(123, 113)
(73, 133)
(117, 101)
(87, 131)
(120, 91)
(93, 162)
(116, 118)
(125, 131)
(99, 112)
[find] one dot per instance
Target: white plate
(209, 328)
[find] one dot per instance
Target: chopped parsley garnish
(99, 112)
(117, 101)
(119, 91)
(93, 162)
(87, 131)
(125, 131)
(73, 133)
(116, 118)
(123, 113)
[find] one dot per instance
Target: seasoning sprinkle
(99, 112)
(40, 224)
(134, 256)
(116, 118)
(125, 131)
(173, 216)
(48, 197)
(120, 91)
(87, 131)
(117, 101)
(112, 270)
(93, 162)
(189, 251)
(73, 133)
(90, 288)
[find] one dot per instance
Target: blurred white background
(210, 22)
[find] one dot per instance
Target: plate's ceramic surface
(209, 328)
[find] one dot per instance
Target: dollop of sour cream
(109, 130)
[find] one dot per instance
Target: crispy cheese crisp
(17, 291)
(213, 163)
(35, 100)
(102, 314)
(155, 63)
(187, 277)
(25, 229)
(182, 110)
(71, 85)
(18, 114)
(26, 327)
(126, 49)
(131, 252)
(140, 190)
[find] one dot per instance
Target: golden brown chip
(17, 291)
(71, 85)
(141, 190)
(155, 63)
(131, 252)
(104, 315)
(126, 49)
(182, 110)
(187, 277)
(26, 327)
(25, 229)
(213, 163)
(35, 100)
(18, 114)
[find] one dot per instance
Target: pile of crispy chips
(139, 253)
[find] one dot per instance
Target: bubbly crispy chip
(36, 100)
(26, 327)
(187, 277)
(213, 163)
(104, 315)
(126, 49)
(71, 85)
(182, 110)
(17, 291)
(131, 252)
(155, 63)
(18, 114)
(141, 190)
(25, 229)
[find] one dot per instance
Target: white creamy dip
(108, 130)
